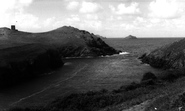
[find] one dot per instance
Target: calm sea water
(84, 74)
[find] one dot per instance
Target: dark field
(82, 75)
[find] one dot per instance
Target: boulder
(149, 76)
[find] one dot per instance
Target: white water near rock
(124, 53)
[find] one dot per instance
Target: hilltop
(71, 41)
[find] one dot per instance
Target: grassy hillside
(131, 97)
(24, 55)
(77, 43)
(171, 56)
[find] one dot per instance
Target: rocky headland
(24, 55)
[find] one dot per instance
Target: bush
(132, 86)
(172, 75)
(148, 76)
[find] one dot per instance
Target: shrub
(148, 76)
(132, 86)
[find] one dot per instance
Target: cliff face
(171, 56)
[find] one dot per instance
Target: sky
(109, 18)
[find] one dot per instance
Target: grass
(90, 101)
(96, 100)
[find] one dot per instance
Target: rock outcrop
(171, 56)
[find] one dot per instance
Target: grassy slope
(139, 97)
(169, 56)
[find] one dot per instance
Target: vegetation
(149, 76)
(90, 101)
(170, 56)
(96, 100)
(20, 69)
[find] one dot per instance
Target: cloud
(49, 21)
(92, 16)
(72, 5)
(93, 24)
(25, 2)
(165, 9)
(8, 6)
(89, 7)
(85, 22)
(26, 21)
(112, 8)
(13, 12)
(123, 9)
(73, 18)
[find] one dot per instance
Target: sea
(80, 75)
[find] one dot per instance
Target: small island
(131, 37)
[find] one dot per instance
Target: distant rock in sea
(171, 56)
(131, 37)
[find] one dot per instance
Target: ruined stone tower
(13, 27)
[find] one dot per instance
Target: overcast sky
(110, 18)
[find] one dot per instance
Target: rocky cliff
(171, 56)
(24, 55)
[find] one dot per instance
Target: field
(82, 75)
